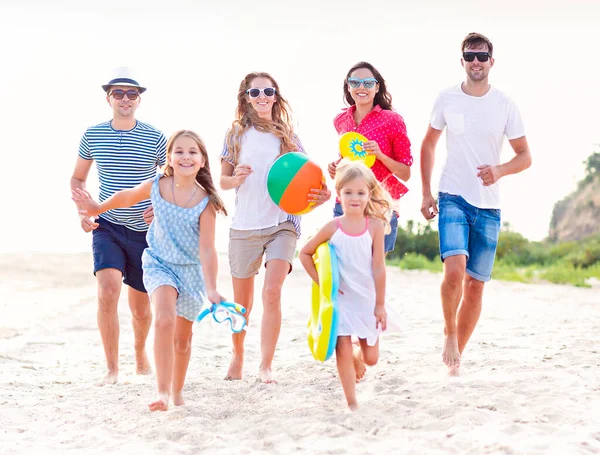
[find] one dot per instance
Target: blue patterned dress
(173, 254)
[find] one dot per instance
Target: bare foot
(266, 376)
(162, 404)
(451, 354)
(142, 363)
(235, 368)
(453, 371)
(353, 406)
(110, 378)
(359, 365)
(178, 398)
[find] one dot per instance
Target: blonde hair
(203, 177)
(380, 201)
(246, 117)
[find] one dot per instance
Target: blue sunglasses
(367, 82)
(226, 311)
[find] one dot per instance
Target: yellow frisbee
(351, 146)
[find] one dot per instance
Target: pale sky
(192, 56)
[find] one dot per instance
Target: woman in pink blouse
(370, 114)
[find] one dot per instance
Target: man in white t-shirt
(476, 117)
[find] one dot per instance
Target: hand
(149, 215)
(332, 168)
(214, 296)
(372, 148)
(241, 173)
(429, 207)
(88, 224)
(380, 317)
(488, 174)
(319, 196)
(86, 205)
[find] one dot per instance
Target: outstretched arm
(521, 161)
(208, 253)
(306, 253)
(124, 198)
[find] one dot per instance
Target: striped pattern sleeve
(124, 159)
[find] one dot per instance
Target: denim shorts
(389, 239)
(466, 229)
(117, 247)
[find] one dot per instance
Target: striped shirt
(124, 159)
(225, 155)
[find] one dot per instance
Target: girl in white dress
(358, 239)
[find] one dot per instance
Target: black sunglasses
(118, 94)
(255, 92)
(481, 56)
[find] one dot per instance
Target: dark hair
(204, 176)
(475, 40)
(382, 97)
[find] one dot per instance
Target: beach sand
(530, 381)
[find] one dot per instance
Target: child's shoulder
(375, 224)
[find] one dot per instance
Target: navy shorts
(389, 239)
(467, 230)
(117, 247)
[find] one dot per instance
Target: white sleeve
(437, 119)
(514, 124)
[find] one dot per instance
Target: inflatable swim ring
(323, 320)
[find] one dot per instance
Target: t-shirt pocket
(456, 123)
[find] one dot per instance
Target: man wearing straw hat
(126, 152)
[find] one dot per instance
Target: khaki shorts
(246, 248)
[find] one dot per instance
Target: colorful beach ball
(351, 147)
(289, 181)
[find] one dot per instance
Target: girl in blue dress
(180, 263)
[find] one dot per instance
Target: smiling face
(363, 96)
(123, 108)
(477, 71)
(354, 196)
(185, 157)
(262, 104)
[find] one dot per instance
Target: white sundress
(356, 301)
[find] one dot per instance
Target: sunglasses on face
(368, 82)
(481, 56)
(118, 94)
(255, 92)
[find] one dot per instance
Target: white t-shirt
(254, 208)
(476, 127)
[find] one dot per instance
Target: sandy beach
(530, 381)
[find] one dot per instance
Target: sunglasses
(226, 311)
(368, 82)
(118, 94)
(481, 56)
(255, 92)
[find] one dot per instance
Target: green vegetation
(517, 258)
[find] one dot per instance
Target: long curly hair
(380, 201)
(246, 117)
(203, 177)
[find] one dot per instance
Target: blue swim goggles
(226, 311)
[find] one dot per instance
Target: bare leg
(109, 290)
(164, 299)
(141, 319)
(277, 271)
(454, 272)
(359, 364)
(183, 351)
(243, 293)
(345, 367)
(469, 310)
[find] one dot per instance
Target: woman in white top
(261, 132)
